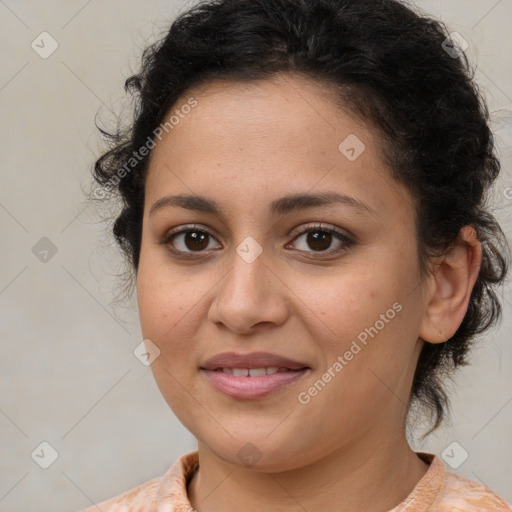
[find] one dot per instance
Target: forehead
(286, 109)
(287, 133)
(299, 105)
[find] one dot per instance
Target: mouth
(254, 372)
(251, 361)
(252, 376)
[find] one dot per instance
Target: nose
(249, 295)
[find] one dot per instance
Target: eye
(192, 241)
(320, 238)
(188, 241)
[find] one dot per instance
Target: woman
(303, 193)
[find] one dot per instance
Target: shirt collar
(173, 497)
(427, 489)
(172, 494)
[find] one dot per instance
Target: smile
(252, 372)
(252, 383)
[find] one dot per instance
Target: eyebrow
(279, 206)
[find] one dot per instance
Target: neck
(375, 479)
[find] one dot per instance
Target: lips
(267, 360)
(252, 376)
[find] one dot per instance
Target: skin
(243, 146)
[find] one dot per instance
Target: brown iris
(197, 240)
(323, 238)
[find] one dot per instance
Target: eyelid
(184, 229)
(187, 227)
(297, 231)
(321, 226)
(343, 238)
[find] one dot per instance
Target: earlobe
(453, 280)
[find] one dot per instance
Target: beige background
(67, 372)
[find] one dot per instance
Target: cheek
(156, 295)
(164, 303)
(168, 309)
(172, 307)
(346, 301)
(365, 314)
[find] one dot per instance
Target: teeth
(253, 372)
(257, 372)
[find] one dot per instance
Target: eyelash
(347, 242)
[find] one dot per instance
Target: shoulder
(167, 492)
(140, 498)
(460, 493)
(443, 491)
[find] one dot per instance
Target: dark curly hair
(395, 68)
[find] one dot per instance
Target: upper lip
(251, 360)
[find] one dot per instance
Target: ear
(453, 279)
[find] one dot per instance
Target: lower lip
(252, 387)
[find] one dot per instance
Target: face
(333, 286)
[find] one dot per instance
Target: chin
(259, 454)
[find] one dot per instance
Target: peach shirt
(438, 491)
